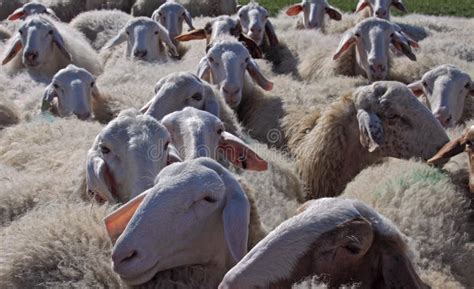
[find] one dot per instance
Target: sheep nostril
(124, 258)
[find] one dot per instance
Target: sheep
(9, 114)
(363, 50)
(380, 8)
(444, 90)
(145, 40)
(99, 26)
(179, 90)
(73, 91)
(31, 8)
(34, 40)
(439, 228)
(372, 122)
(314, 12)
(195, 7)
(342, 241)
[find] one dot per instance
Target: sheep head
(31, 8)
(145, 38)
(255, 24)
(340, 241)
(126, 157)
(35, 38)
(71, 91)
(199, 197)
(372, 38)
(225, 65)
(171, 15)
(461, 144)
(179, 90)
(445, 89)
(380, 8)
(196, 133)
(314, 12)
(393, 123)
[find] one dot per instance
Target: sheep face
(36, 37)
(197, 213)
(341, 241)
(73, 89)
(145, 38)
(372, 38)
(380, 8)
(314, 12)
(126, 157)
(225, 65)
(394, 123)
(196, 133)
(445, 89)
(255, 24)
(30, 9)
(179, 90)
(171, 15)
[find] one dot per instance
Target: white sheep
(380, 8)
(31, 8)
(99, 26)
(444, 90)
(314, 12)
(342, 241)
(255, 23)
(374, 121)
(145, 40)
(195, 7)
(43, 46)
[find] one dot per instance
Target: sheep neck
(331, 155)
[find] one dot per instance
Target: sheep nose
(443, 116)
(31, 55)
(83, 115)
(119, 258)
(381, 13)
(256, 30)
(139, 53)
(231, 93)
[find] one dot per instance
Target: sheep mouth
(142, 277)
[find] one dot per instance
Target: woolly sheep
(30, 49)
(99, 26)
(345, 241)
(179, 90)
(314, 12)
(9, 114)
(373, 122)
(439, 228)
(195, 7)
(29, 9)
(444, 90)
(145, 40)
(256, 25)
(380, 8)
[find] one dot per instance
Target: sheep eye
(424, 84)
(159, 13)
(197, 96)
(92, 84)
(105, 150)
(357, 34)
(156, 32)
(211, 59)
(50, 32)
(167, 144)
(247, 59)
(392, 35)
(210, 199)
(128, 33)
(55, 86)
(220, 131)
(19, 31)
(467, 85)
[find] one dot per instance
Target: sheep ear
(448, 151)
(236, 217)
(253, 48)
(189, 19)
(333, 13)
(347, 41)
(195, 34)
(165, 37)
(204, 70)
(398, 272)
(416, 87)
(99, 179)
(294, 10)
(118, 39)
(362, 5)
(401, 43)
(48, 96)
(304, 207)
(211, 104)
(58, 40)
(117, 221)
(271, 34)
(17, 14)
(399, 5)
(15, 47)
(240, 154)
(371, 130)
(257, 75)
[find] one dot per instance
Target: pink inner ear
(344, 47)
(117, 221)
(16, 16)
(362, 6)
(240, 154)
(294, 10)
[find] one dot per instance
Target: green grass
(432, 7)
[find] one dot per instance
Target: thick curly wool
(426, 206)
